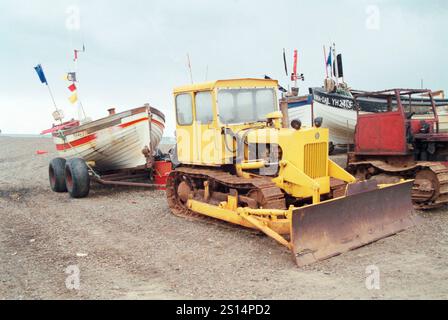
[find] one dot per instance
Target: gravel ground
(127, 245)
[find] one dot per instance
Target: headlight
(318, 122)
(296, 124)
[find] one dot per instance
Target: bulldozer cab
(208, 113)
(388, 121)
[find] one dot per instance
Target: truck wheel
(77, 178)
(56, 173)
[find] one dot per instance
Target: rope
(61, 134)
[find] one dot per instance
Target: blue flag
(41, 74)
(329, 60)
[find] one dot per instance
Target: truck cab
(397, 122)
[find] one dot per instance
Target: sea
(18, 135)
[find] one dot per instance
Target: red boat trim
(87, 139)
(75, 143)
(160, 124)
(63, 126)
(128, 124)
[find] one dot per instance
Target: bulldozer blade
(366, 214)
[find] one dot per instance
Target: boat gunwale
(112, 120)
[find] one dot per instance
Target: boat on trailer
(119, 150)
(125, 140)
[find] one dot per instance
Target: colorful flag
(72, 87)
(41, 74)
(76, 52)
(340, 67)
(73, 98)
(329, 59)
(71, 76)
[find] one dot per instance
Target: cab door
(184, 127)
(206, 149)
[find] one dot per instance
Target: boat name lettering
(81, 134)
(334, 102)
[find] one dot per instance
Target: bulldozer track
(438, 195)
(441, 173)
(272, 195)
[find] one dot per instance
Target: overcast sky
(136, 50)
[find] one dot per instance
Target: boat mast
(296, 56)
(335, 65)
(325, 62)
(81, 113)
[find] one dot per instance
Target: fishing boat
(125, 140)
(338, 111)
(333, 102)
(336, 108)
(119, 150)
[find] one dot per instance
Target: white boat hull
(341, 122)
(116, 142)
(338, 113)
(340, 116)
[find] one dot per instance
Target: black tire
(77, 178)
(56, 173)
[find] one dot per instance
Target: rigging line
(73, 50)
(64, 137)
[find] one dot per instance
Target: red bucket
(162, 170)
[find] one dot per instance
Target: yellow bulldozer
(235, 160)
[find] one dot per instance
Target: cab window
(204, 107)
(184, 109)
(245, 105)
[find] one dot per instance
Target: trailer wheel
(56, 173)
(77, 178)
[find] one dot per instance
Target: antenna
(336, 71)
(285, 63)
(189, 67)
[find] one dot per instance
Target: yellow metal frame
(275, 223)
